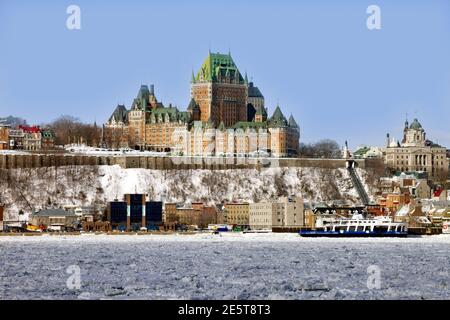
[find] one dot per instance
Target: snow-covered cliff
(28, 189)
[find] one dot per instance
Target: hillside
(32, 189)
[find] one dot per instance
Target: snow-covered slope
(29, 189)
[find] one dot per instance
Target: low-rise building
(286, 214)
(198, 214)
(32, 139)
(261, 215)
(170, 213)
(53, 218)
(392, 202)
(237, 214)
(289, 214)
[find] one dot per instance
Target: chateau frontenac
(225, 116)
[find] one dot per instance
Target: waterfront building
(415, 153)
(197, 214)
(134, 213)
(237, 213)
(58, 218)
(285, 214)
(261, 215)
(170, 213)
(289, 214)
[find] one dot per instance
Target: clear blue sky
(317, 58)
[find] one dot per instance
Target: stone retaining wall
(12, 161)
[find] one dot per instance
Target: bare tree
(325, 148)
(69, 129)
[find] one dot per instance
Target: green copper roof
(119, 114)
(361, 151)
(292, 122)
(47, 133)
(165, 110)
(192, 105)
(216, 66)
(249, 124)
(144, 92)
(416, 125)
(278, 119)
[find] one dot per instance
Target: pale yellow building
(237, 213)
(261, 215)
(415, 153)
(287, 212)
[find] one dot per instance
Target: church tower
(414, 135)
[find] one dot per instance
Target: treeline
(325, 149)
(68, 129)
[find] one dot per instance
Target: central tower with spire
(220, 91)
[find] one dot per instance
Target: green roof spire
(278, 119)
(218, 65)
(292, 122)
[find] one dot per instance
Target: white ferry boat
(358, 226)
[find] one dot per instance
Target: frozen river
(232, 266)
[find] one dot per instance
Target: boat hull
(350, 234)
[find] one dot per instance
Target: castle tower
(194, 110)
(261, 114)
(255, 103)
(220, 91)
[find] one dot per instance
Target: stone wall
(12, 161)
